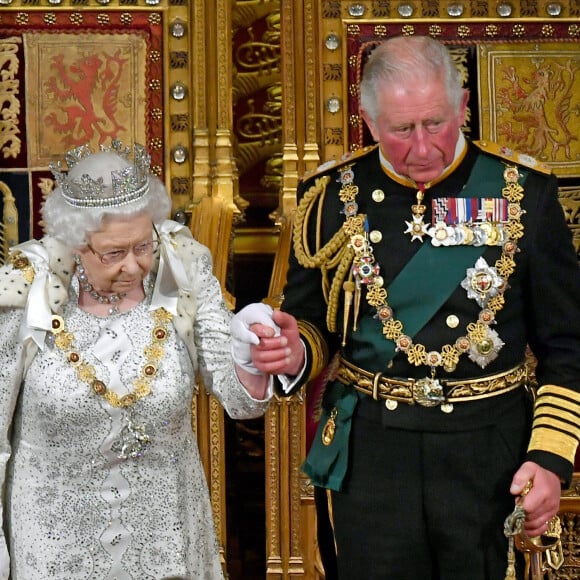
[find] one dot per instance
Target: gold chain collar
(366, 271)
(86, 372)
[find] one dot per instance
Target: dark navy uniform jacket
(542, 303)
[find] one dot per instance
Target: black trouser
(428, 505)
(325, 534)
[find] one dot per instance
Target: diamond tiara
(127, 185)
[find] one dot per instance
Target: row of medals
(478, 233)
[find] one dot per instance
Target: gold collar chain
(480, 340)
(86, 372)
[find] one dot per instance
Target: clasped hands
(266, 341)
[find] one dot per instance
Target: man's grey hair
(418, 58)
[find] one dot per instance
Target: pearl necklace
(113, 300)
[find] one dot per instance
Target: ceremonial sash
(430, 277)
(416, 294)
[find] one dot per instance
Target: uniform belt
(430, 392)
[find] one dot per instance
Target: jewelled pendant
(428, 392)
(482, 282)
(484, 351)
(330, 428)
(133, 440)
(417, 228)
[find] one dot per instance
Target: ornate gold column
(291, 543)
(211, 207)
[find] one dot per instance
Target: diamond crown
(127, 185)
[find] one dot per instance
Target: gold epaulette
(510, 155)
(335, 163)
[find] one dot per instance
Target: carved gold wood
(319, 59)
(290, 536)
(9, 89)
(570, 517)
(257, 106)
(189, 108)
(9, 223)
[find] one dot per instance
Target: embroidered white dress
(74, 509)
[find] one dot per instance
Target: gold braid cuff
(556, 427)
(316, 345)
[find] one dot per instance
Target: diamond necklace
(113, 300)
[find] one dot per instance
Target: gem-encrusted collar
(486, 284)
(86, 372)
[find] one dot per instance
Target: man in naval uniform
(422, 269)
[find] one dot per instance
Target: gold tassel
(348, 291)
(510, 573)
(512, 527)
(357, 295)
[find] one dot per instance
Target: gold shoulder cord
(336, 253)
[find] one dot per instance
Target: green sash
(416, 294)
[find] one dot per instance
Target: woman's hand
(266, 342)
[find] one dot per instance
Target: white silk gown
(74, 508)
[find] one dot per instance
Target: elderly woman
(104, 324)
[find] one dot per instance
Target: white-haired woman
(104, 323)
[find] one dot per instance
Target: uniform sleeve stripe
(553, 441)
(560, 393)
(570, 428)
(569, 418)
(316, 345)
(555, 429)
(547, 404)
(556, 426)
(568, 402)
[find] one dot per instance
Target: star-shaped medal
(482, 282)
(417, 228)
(484, 351)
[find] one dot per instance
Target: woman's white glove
(243, 337)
